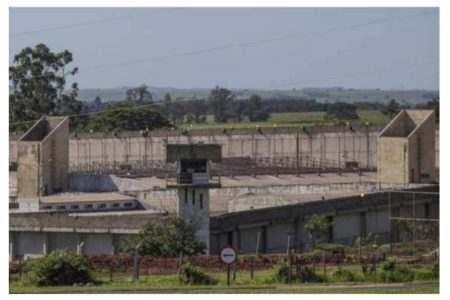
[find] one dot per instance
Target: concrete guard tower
(193, 181)
(406, 148)
(42, 161)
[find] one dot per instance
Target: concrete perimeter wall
(338, 144)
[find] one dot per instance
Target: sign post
(228, 256)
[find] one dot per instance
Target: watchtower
(406, 148)
(193, 181)
(43, 158)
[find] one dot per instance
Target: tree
(316, 226)
(432, 104)
(391, 109)
(140, 95)
(178, 110)
(170, 238)
(166, 108)
(341, 111)
(198, 109)
(97, 102)
(218, 100)
(125, 115)
(38, 79)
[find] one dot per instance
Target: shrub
(307, 274)
(390, 264)
(192, 275)
(435, 271)
(58, 268)
(343, 275)
(399, 274)
(281, 270)
(333, 248)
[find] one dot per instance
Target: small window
(201, 201)
(75, 206)
(185, 195)
(47, 207)
(116, 205)
(89, 206)
(193, 196)
(60, 207)
(128, 204)
(102, 205)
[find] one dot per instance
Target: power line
(92, 22)
(190, 100)
(251, 43)
(362, 72)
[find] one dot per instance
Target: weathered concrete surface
(406, 148)
(43, 158)
(350, 217)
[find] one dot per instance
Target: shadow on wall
(90, 183)
(97, 183)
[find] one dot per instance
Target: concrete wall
(338, 144)
(28, 182)
(36, 243)
(346, 228)
(350, 217)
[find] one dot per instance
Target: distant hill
(331, 94)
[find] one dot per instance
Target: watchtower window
(201, 201)
(193, 197)
(193, 166)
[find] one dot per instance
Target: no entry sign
(228, 255)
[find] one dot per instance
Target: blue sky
(327, 47)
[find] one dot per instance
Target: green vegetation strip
(296, 119)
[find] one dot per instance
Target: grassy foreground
(295, 119)
(261, 283)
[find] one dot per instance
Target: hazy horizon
(239, 48)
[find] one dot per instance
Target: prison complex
(87, 192)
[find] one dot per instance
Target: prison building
(37, 233)
(406, 148)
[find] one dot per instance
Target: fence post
(136, 263)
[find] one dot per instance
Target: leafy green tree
(166, 107)
(219, 100)
(317, 227)
(171, 238)
(126, 115)
(199, 109)
(432, 104)
(391, 109)
(140, 95)
(38, 79)
(251, 107)
(97, 102)
(341, 111)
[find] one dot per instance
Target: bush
(400, 274)
(58, 268)
(390, 264)
(192, 275)
(281, 270)
(307, 274)
(333, 248)
(343, 275)
(435, 271)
